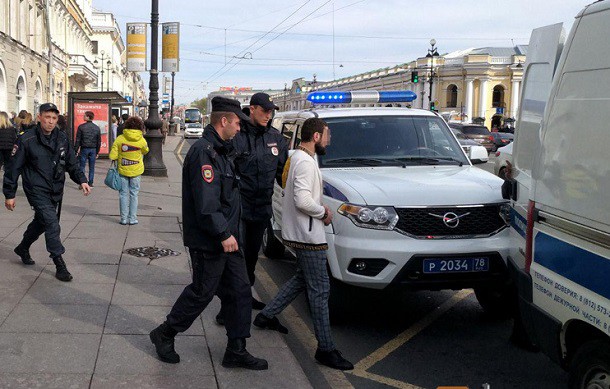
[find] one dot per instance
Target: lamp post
(100, 65)
(108, 67)
(153, 161)
(171, 104)
(431, 54)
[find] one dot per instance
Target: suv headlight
(505, 213)
(377, 218)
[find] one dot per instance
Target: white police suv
(410, 210)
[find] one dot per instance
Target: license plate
(456, 265)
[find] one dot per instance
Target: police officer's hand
(229, 245)
(97, 156)
(86, 189)
(9, 204)
(329, 216)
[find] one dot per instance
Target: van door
(545, 46)
(288, 130)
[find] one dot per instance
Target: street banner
(136, 47)
(170, 39)
(101, 118)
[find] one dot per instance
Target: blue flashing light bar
(370, 97)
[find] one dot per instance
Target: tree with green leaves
(202, 104)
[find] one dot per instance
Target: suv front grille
(476, 221)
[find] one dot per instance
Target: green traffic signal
(414, 77)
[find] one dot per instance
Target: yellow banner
(136, 47)
(170, 39)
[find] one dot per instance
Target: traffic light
(414, 77)
(432, 106)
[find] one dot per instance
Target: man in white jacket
(304, 217)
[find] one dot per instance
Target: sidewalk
(93, 331)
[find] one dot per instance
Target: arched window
(3, 95)
(498, 97)
(37, 95)
(22, 94)
(452, 96)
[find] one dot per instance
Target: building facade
(480, 85)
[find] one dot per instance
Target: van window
(574, 166)
(534, 97)
(288, 132)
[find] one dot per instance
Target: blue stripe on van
(578, 265)
(517, 222)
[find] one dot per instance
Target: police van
(410, 209)
(560, 214)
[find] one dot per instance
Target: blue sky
(273, 43)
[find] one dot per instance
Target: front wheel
(272, 247)
(497, 301)
(590, 367)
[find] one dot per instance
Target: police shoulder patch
(15, 148)
(207, 172)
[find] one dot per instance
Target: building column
(514, 100)
(483, 98)
(469, 98)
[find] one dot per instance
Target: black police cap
(263, 100)
(46, 107)
(223, 104)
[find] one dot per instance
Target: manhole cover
(151, 252)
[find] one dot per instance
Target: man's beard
(320, 150)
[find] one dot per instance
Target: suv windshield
(390, 140)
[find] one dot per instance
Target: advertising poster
(136, 47)
(170, 40)
(102, 119)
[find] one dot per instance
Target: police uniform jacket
(261, 155)
(43, 163)
(210, 193)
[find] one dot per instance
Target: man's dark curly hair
(134, 123)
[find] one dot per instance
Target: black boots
(258, 305)
(163, 339)
(24, 254)
(333, 359)
(62, 272)
(263, 321)
(236, 355)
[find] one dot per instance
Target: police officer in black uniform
(262, 152)
(42, 155)
(211, 214)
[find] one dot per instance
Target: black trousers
(225, 274)
(5, 155)
(45, 221)
(252, 239)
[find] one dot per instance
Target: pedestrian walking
(211, 212)
(88, 144)
(8, 135)
(304, 217)
(261, 154)
(114, 125)
(164, 128)
(43, 156)
(121, 126)
(129, 150)
(26, 123)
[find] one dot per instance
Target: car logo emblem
(450, 219)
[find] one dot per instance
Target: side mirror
(478, 155)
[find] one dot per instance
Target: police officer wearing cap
(42, 156)
(211, 215)
(262, 152)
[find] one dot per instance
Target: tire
(272, 247)
(498, 302)
(590, 366)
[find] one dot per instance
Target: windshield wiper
(430, 160)
(366, 161)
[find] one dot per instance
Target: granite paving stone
(141, 319)
(56, 318)
(46, 381)
(53, 291)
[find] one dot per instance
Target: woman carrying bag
(128, 150)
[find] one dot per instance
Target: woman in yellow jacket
(128, 150)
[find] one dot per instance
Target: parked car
(503, 155)
(177, 119)
(479, 134)
(468, 144)
(410, 210)
(193, 130)
(501, 139)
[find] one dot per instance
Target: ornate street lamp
(431, 54)
(153, 161)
